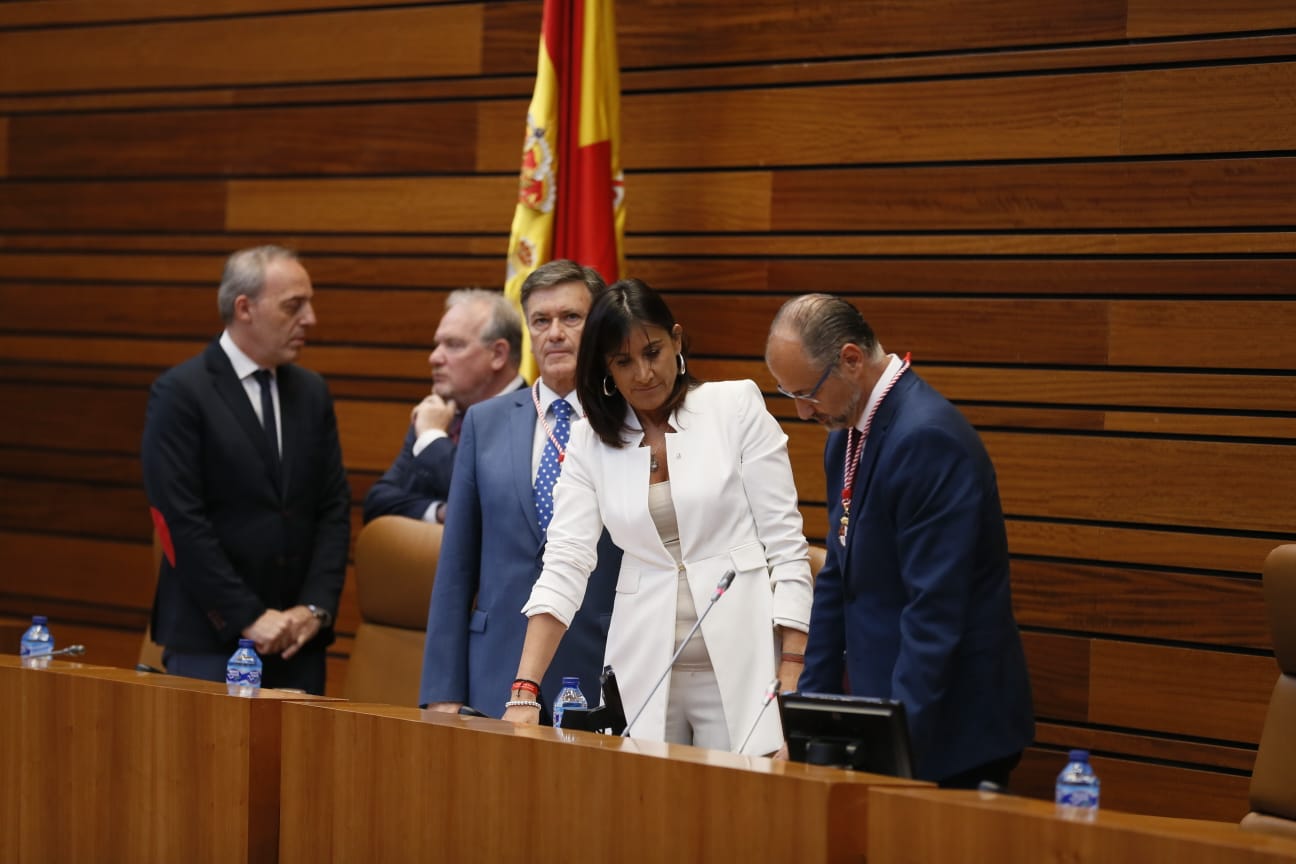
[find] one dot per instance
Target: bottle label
(1077, 796)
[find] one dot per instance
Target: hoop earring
(680, 362)
(608, 390)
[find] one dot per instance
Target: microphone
(69, 651)
(721, 587)
(770, 692)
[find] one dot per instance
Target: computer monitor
(855, 732)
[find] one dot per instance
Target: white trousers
(694, 713)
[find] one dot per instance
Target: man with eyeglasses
(914, 601)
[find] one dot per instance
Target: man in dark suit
(244, 474)
(477, 351)
(914, 601)
(493, 543)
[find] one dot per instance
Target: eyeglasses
(810, 397)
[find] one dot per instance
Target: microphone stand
(725, 581)
(770, 692)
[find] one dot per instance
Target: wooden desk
(938, 826)
(118, 765)
(382, 783)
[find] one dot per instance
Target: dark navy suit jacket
(917, 606)
(491, 554)
(246, 537)
(412, 482)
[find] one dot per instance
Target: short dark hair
(823, 324)
(562, 270)
(625, 305)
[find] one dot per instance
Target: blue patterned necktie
(550, 465)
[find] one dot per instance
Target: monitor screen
(855, 732)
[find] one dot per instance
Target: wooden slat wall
(1079, 216)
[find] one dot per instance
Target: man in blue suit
(493, 543)
(477, 351)
(914, 601)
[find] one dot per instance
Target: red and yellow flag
(571, 193)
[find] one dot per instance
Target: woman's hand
(526, 715)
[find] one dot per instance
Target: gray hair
(823, 324)
(245, 275)
(505, 322)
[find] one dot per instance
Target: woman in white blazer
(692, 481)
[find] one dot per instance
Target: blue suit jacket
(491, 554)
(917, 605)
(412, 483)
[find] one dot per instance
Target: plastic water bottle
(37, 643)
(569, 696)
(1077, 787)
(243, 672)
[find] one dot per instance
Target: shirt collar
(893, 366)
(547, 397)
(516, 383)
(242, 363)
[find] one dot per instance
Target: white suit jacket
(736, 504)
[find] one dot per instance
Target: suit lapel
(230, 389)
(522, 423)
(290, 425)
(872, 447)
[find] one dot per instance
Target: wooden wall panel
(1180, 690)
(27, 13)
(1205, 334)
(1192, 17)
(480, 204)
(1179, 389)
(1146, 546)
(1004, 274)
(1171, 194)
(330, 139)
(727, 31)
(1047, 116)
(1210, 109)
(1145, 480)
(177, 206)
(1059, 667)
(62, 561)
(379, 43)
(1114, 601)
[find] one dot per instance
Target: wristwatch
(324, 616)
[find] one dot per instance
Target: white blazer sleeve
(571, 549)
(772, 496)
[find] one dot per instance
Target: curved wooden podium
(380, 783)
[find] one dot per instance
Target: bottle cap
(247, 643)
(572, 682)
(1079, 756)
(40, 619)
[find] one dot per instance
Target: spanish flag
(571, 190)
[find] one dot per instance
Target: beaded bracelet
(790, 657)
(522, 703)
